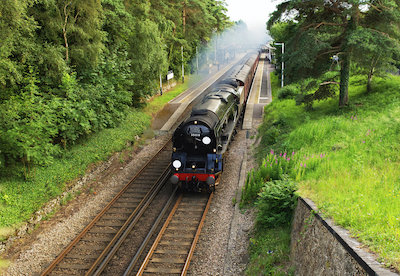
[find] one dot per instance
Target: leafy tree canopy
(365, 32)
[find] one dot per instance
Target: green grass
(19, 199)
(269, 252)
(275, 84)
(346, 160)
(270, 243)
(159, 101)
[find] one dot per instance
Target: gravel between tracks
(223, 244)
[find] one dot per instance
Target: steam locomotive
(200, 142)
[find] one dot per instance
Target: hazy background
(255, 13)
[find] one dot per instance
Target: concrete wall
(320, 248)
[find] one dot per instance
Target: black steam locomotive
(200, 141)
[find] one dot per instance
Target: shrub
(273, 167)
(288, 92)
(28, 126)
(276, 203)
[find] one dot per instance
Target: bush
(273, 167)
(288, 92)
(35, 125)
(28, 126)
(276, 203)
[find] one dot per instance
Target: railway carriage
(200, 142)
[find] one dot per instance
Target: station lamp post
(183, 67)
(283, 64)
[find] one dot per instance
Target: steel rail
(196, 238)
(51, 267)
(151, 232)
(159, 236)
(123, 232)
(190, 251)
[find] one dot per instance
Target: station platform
(260, 93)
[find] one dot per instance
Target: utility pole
(283, 64)
(160, 84)
(197, 61)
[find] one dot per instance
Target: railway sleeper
(115, 210)
(176, 243)
(167, 271)
(130, 205)
(73, 266)
(170, 252)
(168, 260)
(96, 237)
(98, 229)
(179, 235)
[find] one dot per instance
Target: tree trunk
(344, 80)
(184, 17)
(346, 59)
(370, 75)
(65, 30)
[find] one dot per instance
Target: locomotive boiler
(200, 142)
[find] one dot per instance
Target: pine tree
(321, 29)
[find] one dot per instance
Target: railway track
(174, 246)
(109, 228)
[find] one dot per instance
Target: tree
(344, 27)
(16, 43)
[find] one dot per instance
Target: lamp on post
(283, 64)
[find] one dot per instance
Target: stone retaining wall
(319, 247)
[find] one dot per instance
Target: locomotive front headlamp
(206, 140)
(177, 164)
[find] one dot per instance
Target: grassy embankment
(270, 242)
(345, 160)
(19, 199)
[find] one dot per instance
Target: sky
(255, 13)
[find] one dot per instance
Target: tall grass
(346, 160)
